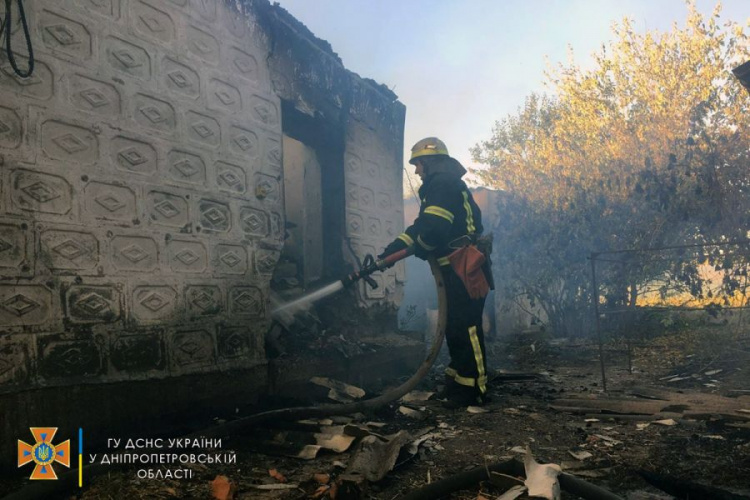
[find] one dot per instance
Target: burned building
(160, 162)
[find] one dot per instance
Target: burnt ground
(708, 449)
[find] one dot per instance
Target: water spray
(369, 266)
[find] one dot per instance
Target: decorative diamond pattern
(132, 156)
(263, 113)
(5, 366)
(134, 253)
(276, 224)
(70, 143)
(167, 209)
(234, 342)
(202, 300)
(73, 358)
(353, 196)
(245, 301)
(243, 142)
(187, 257)
(41, 192)
(93, 304)
(203, 130)
(109, 202)
(62, 34)
(71, 249)
(243, 64)
(253, 222)
(229, 178)
(127, 59)
(267, 263)
(186, 167)
(190, 347)
(215, 216)
(24, 82)
(4, 129)
(20, 305)
(201, 46)
(275, 155)
(179, 78)
(95, 98)
(353, 165)
(266, 188)
(153, 114)
(152, 24)
(5, 246)
(230, 259)
(225, 98)
(154, 302)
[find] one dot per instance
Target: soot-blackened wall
(141, 200)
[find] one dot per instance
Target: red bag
(467, 263)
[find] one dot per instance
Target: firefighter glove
(393, 247)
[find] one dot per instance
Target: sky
(461, 65)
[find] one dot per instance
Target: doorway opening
(313, 182)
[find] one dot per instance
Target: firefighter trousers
(464, 335)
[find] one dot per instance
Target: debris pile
(641, 441)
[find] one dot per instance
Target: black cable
(7, 28)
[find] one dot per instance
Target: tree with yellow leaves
(649, 147)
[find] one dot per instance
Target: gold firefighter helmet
(431, 146)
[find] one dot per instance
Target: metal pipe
(595, 299)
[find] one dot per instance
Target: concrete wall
(134, 242)
(374, 213)
(141, 192)
(360, 120)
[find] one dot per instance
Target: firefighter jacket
(447, 212)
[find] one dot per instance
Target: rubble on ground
(639, 440)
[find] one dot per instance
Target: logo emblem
(43, 453)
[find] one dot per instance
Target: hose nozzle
(370, 265)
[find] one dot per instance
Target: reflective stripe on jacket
(448, 211)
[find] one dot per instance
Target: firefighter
(447, 227)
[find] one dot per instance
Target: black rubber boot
(450, 388)
(463, 396)
(486, 399)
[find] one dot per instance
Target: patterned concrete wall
(374, 205)
(140, 198)
(371, 123)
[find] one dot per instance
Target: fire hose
(369, 266)
(436, 490)
(45, 489)
(472, 477)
